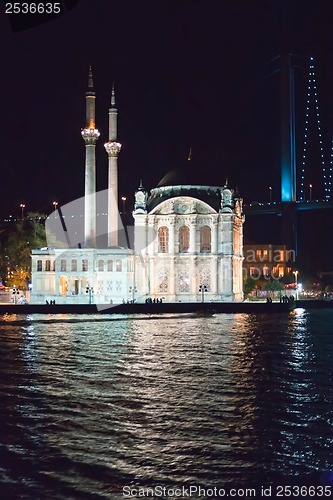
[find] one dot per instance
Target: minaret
(112, 148)
(90, 135)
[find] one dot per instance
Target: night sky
(188, 73)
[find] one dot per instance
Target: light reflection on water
(92, 403)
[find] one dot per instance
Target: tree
(27, 235)
(249, 285)
(18, 278)
(274, 285)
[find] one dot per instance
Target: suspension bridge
(298, 164)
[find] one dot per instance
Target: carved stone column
(193, 235)
(214, 277)
(194, 285)
(172, 278)
(214, 237)
(172, 226)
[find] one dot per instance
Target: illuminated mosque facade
(186, 240)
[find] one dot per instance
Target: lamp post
(132, 291)
(55, 204)
(123, 199)
(22, 206)
(295, 273)
(203, 289)
(90, 291)
(270, 194)
(310, 187)
(15, 292)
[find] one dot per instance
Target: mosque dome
(191, 173)
(189, 179)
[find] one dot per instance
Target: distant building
(267, 260)
(188, 239)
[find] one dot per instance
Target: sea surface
(104, 406)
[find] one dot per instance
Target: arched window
(205, 239)
(110, 265)
(74, 265)
(63, 265)
(163, 239)
(184, 239)
(101, 265)
(47, 265)
(119, 265)
(39, 265)
(84, 264)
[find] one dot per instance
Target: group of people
(149, 300)
(285, 299)
(22, 300)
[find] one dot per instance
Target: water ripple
(90, 404)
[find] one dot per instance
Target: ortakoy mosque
(186, 237)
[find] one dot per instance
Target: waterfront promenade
(165, 307)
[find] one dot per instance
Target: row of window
(84, 265)
(266, 271)
(184, 239)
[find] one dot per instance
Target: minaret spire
(90, 134)
(90, 79)
(113, 148)
(113, 97)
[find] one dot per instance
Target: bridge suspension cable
(312, 108)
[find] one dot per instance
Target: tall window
(265, 271)
(74, 265)
(47, 265)
(63, 265)
(119, 265)
(163, 239)
(205, 239)
(84, 265)
(101, 265)
(110, 265)
(184, 239)
(39, 265)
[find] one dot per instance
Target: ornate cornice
(90, 135)
(112, 148)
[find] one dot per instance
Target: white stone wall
(69, 285)
(177, 276)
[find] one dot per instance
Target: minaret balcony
(112, 148)
(90, 135)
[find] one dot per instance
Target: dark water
(92, 404)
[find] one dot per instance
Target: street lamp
(295, 273)
(55, 204)
(15, 292)
(132, 291)
(90, 291)
(22, 206)
(270, 194)
(203, 289)
(310, 186)
(123, 199)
